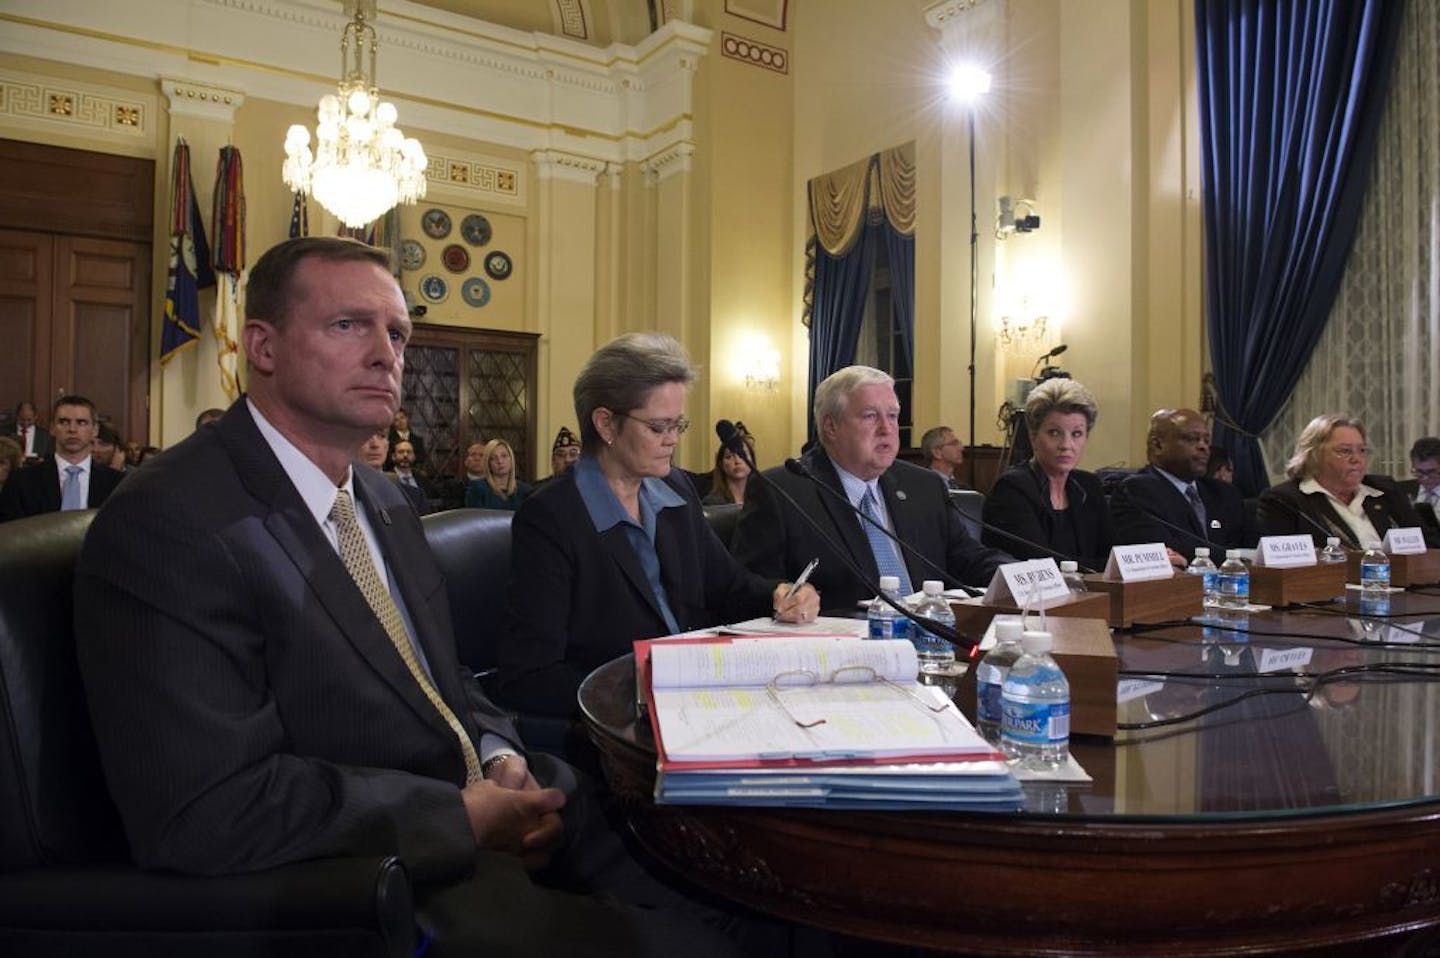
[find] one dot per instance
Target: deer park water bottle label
(1037, 723)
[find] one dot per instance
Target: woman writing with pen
(617, 548)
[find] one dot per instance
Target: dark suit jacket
(34, 489)
(1138, 500)
(417, 495)
(578, 598)
(1020, 503)
(1410, 489)
(249, 707)
(44, 441)
(772, 539)
(1285, 510)
(416, 440)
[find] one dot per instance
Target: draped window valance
(880, 186)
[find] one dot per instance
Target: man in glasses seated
(1424, 489)
(1172, 501)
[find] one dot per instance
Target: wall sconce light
(761, 365)
(1016, 216)
(1022, 334)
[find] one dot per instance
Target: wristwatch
(495, 760)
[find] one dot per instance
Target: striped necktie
(355, 553)
(70, 495)
(887, 560)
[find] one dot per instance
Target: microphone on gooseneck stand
(1326, 532)
(1053, 553)
(730, 435)
(796, 467)
(1170, 525)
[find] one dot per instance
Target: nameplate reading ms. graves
(1034, 584)
(1139, 563)
(1285, 552)
(1409, 541)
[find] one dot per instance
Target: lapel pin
(1214, 523)
(900, 494)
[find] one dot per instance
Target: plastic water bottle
(1334, 554)
(1374, 573)
(937, 655)
(990, 677)
(884, 621)
(1070, 572)
(1234, 582)
(1202, 565)
(1035, 701)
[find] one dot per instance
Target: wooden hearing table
(1279, 824)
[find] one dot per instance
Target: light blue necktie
(887, 560)
(70, 497)
(1192, 495)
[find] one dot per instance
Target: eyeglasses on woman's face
(660, 427)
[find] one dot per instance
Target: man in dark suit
(268, 654)
(415, 487)
(70, 479)
(1171, 501)
(36, 442)
(400, 431)
(857, 414)
(1424, 489)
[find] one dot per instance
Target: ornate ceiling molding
(34, 106)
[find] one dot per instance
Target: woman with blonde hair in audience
(1330, 493)
(500, 488)
(727, 482)
(1046, 500)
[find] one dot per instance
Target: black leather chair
(723, 519)
(67, 887)
(970, 504)
(472, 548)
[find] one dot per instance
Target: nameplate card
(1128, 689)
(1139, 563)
(1409, 541)
(1033, 584)
(1285, 552)
(1278, 660)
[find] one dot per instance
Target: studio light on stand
(362, 165)
(968, 83)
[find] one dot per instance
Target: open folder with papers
(839, 722)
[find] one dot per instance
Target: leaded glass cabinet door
(472, 385)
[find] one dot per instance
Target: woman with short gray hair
(1047, 506)
(617, 548)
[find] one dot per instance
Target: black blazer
(772, 539)
(44, 444)
(1020, 503)
(249, 707)
(34, 489)
(578, 598)
(1285, 510)
(1138, 500)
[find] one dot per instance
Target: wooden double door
(75, 260)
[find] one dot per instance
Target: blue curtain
(1291, 94)
(842, 286)
(901, 250)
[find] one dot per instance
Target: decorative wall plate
(434, 288)
(436, 223)
(455, 258)
(476, 292)
(497, 265)
(476, 229)
(412, 254)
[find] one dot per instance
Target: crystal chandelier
(363, 165)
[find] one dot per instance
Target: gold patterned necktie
(355, 553)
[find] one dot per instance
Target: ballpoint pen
(799, 582)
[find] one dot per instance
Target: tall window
(882, 342)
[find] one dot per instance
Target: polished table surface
(1275, 791)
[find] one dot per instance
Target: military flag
(190, 269)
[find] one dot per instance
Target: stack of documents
(837, 722)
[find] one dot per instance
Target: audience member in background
(374, 450)
(945, 453)
(562, 454)
(416, 489)
(450, 490)
(1047, 500)
(132, 454)
(499, 488)
(727, 482)
(36, 442)
(617, 548)
(400, 431)
(10, 458)
(1219, 467)
(1329, 493)
(147, 453)
(1424, 489)
(858, 417)
(208, 416)
(108, 448)
(70, 479)
(1171, 500)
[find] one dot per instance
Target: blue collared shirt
(606, 512)
(855, 489)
